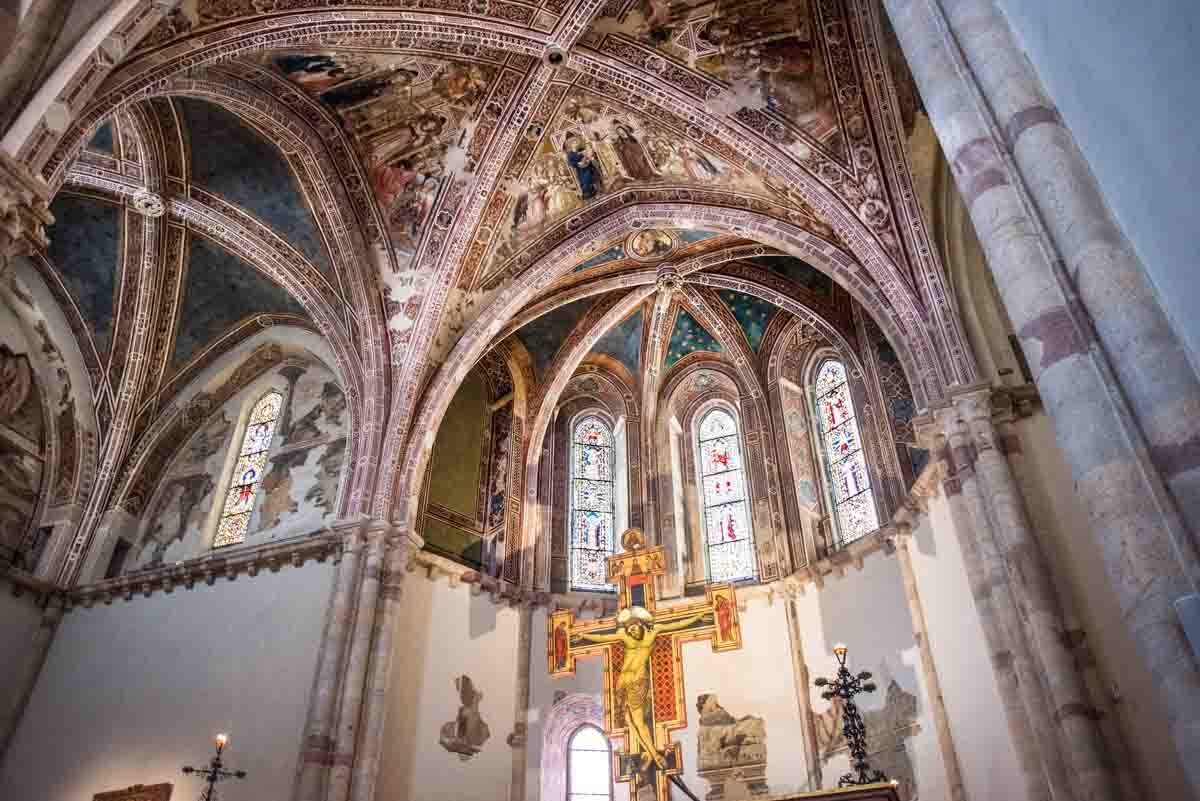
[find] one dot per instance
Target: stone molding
(24, 211)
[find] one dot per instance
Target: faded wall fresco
(299, 488)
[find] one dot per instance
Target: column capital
(24, 210)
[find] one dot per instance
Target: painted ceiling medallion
(652, 244)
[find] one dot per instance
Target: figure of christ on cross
(637, 632)
(643, 660)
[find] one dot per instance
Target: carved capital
(24, 211)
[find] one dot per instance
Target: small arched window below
(592, 539)
(248, 471)
(728, 539)
(853, 502)
(589, 766)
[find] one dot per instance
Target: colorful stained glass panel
(592, 538)
(854, 503)
(720, 454)
(723, 488)
(727, 523)
(232, 529)
(248, 471)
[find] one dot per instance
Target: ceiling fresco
(232, 160)
(764, 49)
(85, 246)
(623, 342)
(591, 148)
(409, 117)
(689, 336)
(543, 335)
(753, 314)
(220, 291)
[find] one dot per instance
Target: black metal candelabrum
(215, 772)
(845, 687)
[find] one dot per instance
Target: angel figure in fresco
(637, 631)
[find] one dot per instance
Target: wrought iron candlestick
(845, 687)
(215, 772)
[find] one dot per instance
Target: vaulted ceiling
(629, 179)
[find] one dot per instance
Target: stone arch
(916, 350)
(566, 716)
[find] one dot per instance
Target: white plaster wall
(443, 632)
(755, 680)
(132, 691)
(19, 619)
(1123, 77)
(866, 609)
(977, 719)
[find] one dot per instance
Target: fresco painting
(592, 148)
(764, 50)
(410, 119)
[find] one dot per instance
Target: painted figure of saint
(632, 154)
(724, 618)
(560, 646)
(587, 170)
(637, 631)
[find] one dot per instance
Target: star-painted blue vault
(222, 290)
(624, 342)
(689, 336)
(543, 336)
(798, 271)
(753, 314)
(232, 160)
(85, 244)
(102, 140)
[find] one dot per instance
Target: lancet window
(592, 536)
(248, 471)
(589, 763)
(729, 542)
(850, 485)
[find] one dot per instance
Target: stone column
(812, 759)
(27, 679)
(366, 760)
(24, 211)
(932, 684)
(354, 677)
(1128, 427)
(518, 739)
(36, 33)
(317, 750)
(1019, 727)
(1015, 668)
(1040, 614)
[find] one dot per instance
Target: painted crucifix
(643, 663)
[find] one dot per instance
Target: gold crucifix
(643, 665)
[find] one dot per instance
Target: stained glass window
(248, 471)
(592, 537)
(589, 763)
(728, 538)
(853, 501)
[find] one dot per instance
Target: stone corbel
(24, 211)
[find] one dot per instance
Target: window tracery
(589, 764)
(592, 537)
(850, 491)
(248, 471)
(729, 541)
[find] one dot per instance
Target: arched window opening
(589, 765)
(845, 463)
(728, 540)
(592, 539)
(248, 471)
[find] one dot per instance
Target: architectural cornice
(24, 211)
